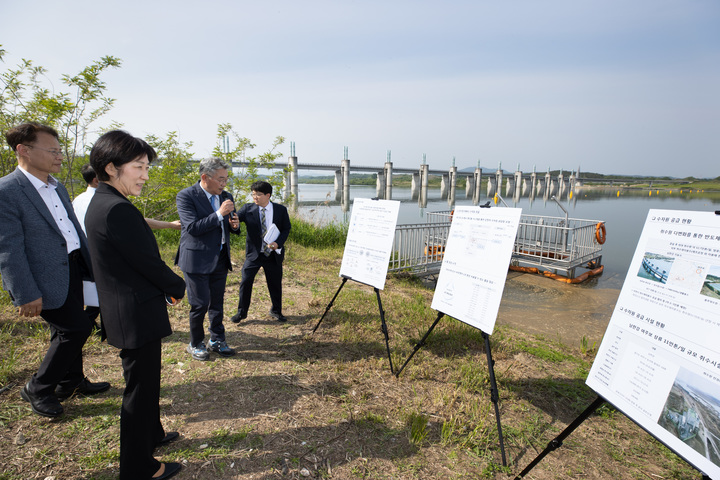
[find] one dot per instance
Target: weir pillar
(415, 185)
(533, 184)
(380, 185)
(345, 170)
(499, 178)
(477, 177)
(452, 178)
(388, 179)
(444, 185)
(518, 182)
(549, 185)
(291, 177)
(424, 181)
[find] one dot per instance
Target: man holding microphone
(207, 215)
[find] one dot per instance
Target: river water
(575, 314)
(623, 211)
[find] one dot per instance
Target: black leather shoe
(47, 406)
(280, 318)
(238, 317)
(171, 469)
(85, 387)
(168, 438)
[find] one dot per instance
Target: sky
(608, 86)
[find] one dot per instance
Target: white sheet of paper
(271, 235)
(475, 264)
(90, 294)
(369, 241)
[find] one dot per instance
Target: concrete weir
(516, 184)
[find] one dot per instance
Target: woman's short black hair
(117, 147)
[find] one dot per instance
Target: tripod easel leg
(327, 309)
(384, 328)
(420, 343)
(557, 441)
(494, 395)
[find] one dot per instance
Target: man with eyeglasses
(43, 260)
(207, 215)
(268, 227)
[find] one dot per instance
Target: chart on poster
(659, 361)
(369, 241)
(475, 264)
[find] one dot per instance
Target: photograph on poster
(659, 361)
(655, 267)
(687, 274)
(711, 285)
(692, 413)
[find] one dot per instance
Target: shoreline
(572, 314)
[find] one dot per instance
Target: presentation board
(659, 361)
(369, 241)
(475, 264)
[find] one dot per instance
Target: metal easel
(383, 325)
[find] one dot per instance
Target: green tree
(250, 167)
(25, 97)
(171, 172)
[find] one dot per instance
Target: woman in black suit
(132, 283)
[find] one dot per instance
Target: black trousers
(273, 275)
(205, 294)
(140, 426)
(69, 329)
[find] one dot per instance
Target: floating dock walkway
(553, 246)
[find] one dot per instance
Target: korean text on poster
(369, 241)
(475, 264)
(659, 361)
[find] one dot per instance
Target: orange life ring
(452, 212)
(600, 233)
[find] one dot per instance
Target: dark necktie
(263, 228)
(214, 203)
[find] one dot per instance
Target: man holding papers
(268, 227)
(207, 216)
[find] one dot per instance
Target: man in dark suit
(261, 250)
(207, 215)
(43, 259)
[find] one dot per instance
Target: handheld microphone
(224, 195)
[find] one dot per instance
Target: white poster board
(369, 241)
(475, 264)
(659, 361)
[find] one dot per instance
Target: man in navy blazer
(43, 259)
(261, 253)
(207, 215)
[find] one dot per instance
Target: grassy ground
(295, 404)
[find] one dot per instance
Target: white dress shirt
(48, 192)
